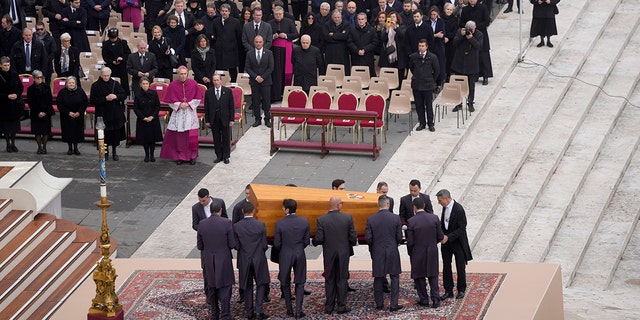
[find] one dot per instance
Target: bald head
(335, 203)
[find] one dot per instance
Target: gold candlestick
(105, 304)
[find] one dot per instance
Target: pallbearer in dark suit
(142, 64)
(336, 233)
(219, 116)
(423, 235)
(456, 243)
(383, 188)
(201, 211)
(383, 234)
(406, 202)
(251, 243)
(259, 66)
(215, 240)
(291, 237)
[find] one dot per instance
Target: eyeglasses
(39, 29)
(40, 77)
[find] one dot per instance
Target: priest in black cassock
(307, 64)
(108, 97)
(284, 32)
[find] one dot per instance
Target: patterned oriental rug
(174, 294)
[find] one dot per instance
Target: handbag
(389, 50)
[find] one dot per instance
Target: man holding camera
(467, 44)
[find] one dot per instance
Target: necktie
(28, 56)
(14, 14)
(141, 60)
(218, 93)
(65, 65)
(180, 17)
(259, 56)
(257, 29)
(222, 20)
(73, 10)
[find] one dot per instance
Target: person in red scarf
(181, 139)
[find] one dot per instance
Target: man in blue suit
(215, 240)
(291, 237)
(383, 233)
(259, 65)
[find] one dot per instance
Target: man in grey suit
(257, 27)
(219, 115)
(456, 243)
(201, 211)
(215, 240)
(142, 64)
(336, 233)
(383, 233)
(291, 237)
(251, 243)
(259, 65)
(423, 235)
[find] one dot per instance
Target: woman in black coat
(115, 52)
(146, 106)
(40, 97)
(394, 35)
(176, 38)
(72, 103)
(203, 61)
(72, 58)
(10, 109)
(438, 42)
(313, 29)
(159, 46)
(450, 28)
(543, 23)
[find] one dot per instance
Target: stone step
(37, 262)
(525, 159)
(625, 277)
(25, 242)
(568, 177)
(64, 264)
(12, 223)
(473, 157)
(5, 207)
(618, 223)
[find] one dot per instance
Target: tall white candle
(103, 191)
(100, 134)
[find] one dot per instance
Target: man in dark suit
(15, 10)
(52, 9)
(419, 29)
(291, 237)
(456, 243)
(251, 243)
(383, 233)
(219, 115)
(237, 214)
(142, 64)
(201, 211)
(185, 19)
(36, 59)
(362, 42)
(406, 202)
(215, 241)
(383, 188)
(227, 33)
(425, 69)
(423, 235)
(74, 22)
(8, 36)
(259, 65)
(307, 64)
(336, 233)
(257, 27)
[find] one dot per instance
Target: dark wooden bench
(323, 145)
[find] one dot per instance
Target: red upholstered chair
(296, 99)
(238, 104)
(27, 81)
(161, 89)
(202, 90)
(346, 101)
(319, 100)
(377, 103)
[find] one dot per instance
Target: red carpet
(179, 295)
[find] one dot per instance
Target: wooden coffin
(312, 203)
